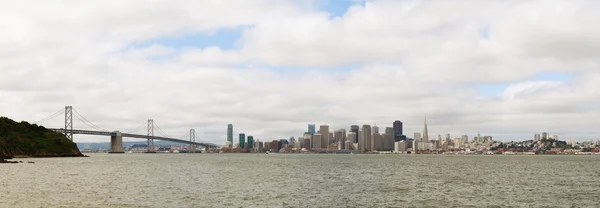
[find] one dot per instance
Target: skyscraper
(417, 136)
(324, 129)
(250, 142)
(397, 130)
(311, 129)
(425, 133)
(375, 129)
(355, 129)
(340, 137)
(365, 139)
(242, 140)
(317, 143)
(230, 133)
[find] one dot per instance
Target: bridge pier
(116, 142)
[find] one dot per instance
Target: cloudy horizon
(507, 69)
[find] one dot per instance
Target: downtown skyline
(274, 66)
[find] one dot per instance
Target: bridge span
(116, 137)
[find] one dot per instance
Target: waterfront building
(415, 146)
(317, 144)
(260, 146)
(306, 143)
(242, 140)
(400, 147)
(377, 142)
(230, 133)
(324, 131)
(311, 129)
(398, 132)
(544, 135)
(417, 136)
(365, 138)
(389, 139)
(340, 138)
(355, 129)
(250, 142)
(425, 132)
(352, 137)
(465, 138)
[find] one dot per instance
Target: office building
(352, 136)
(311, 129)
(398, 132)
(318, 144)
(365, 139)
(375, 129)
(544, 135)
(242, 140)
(230, 133)
(355, 129)
(250, 142)
(324, 131)
(340, 138)
(425, 132)
(417, 136)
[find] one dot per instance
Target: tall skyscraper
(352, 136)
(388, 138)
(250, 142)
(317, 143)
(375, 129)
(230, 133)
(242, 140)
(425, 133)
(355, 129)
(417, 136)
(340, 137)
(366, 138)
(397, 130)
(311, 129)
(324, 129)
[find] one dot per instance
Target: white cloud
(407, 59)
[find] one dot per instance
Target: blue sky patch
(223, 38)
(489, 90)
(336, 8)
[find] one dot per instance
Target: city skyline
(272, 67)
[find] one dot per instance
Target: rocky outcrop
(22, 139)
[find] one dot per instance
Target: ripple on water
(257, 180)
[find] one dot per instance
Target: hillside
(30, 140)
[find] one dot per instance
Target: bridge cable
(50, 117)
(160, 130)
(90, 123)
(138, 128)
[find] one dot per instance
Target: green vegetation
(30, 140)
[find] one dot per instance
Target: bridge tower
(192, 139)
(69, 122)
(150, 136)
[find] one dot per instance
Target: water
(302, 180)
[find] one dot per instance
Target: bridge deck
(139, 136)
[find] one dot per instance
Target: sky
(508, 69)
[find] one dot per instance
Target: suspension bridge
(116, 137)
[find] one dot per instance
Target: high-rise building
(250, 142)
(340, 138)
(465, 138)
(537, 137)
(355, 129)
(317, 144)
(366, 138)
(311, 129)
(398, 130)
(417, 136)
(352, 137)
(425, 133)
(230, 133)
(377, 142)
(544, 135)
(375, 129)
(324, 129)
(389, 139)
(242, 140)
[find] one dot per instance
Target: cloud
(294, 64)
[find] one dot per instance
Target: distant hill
(22, 139)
